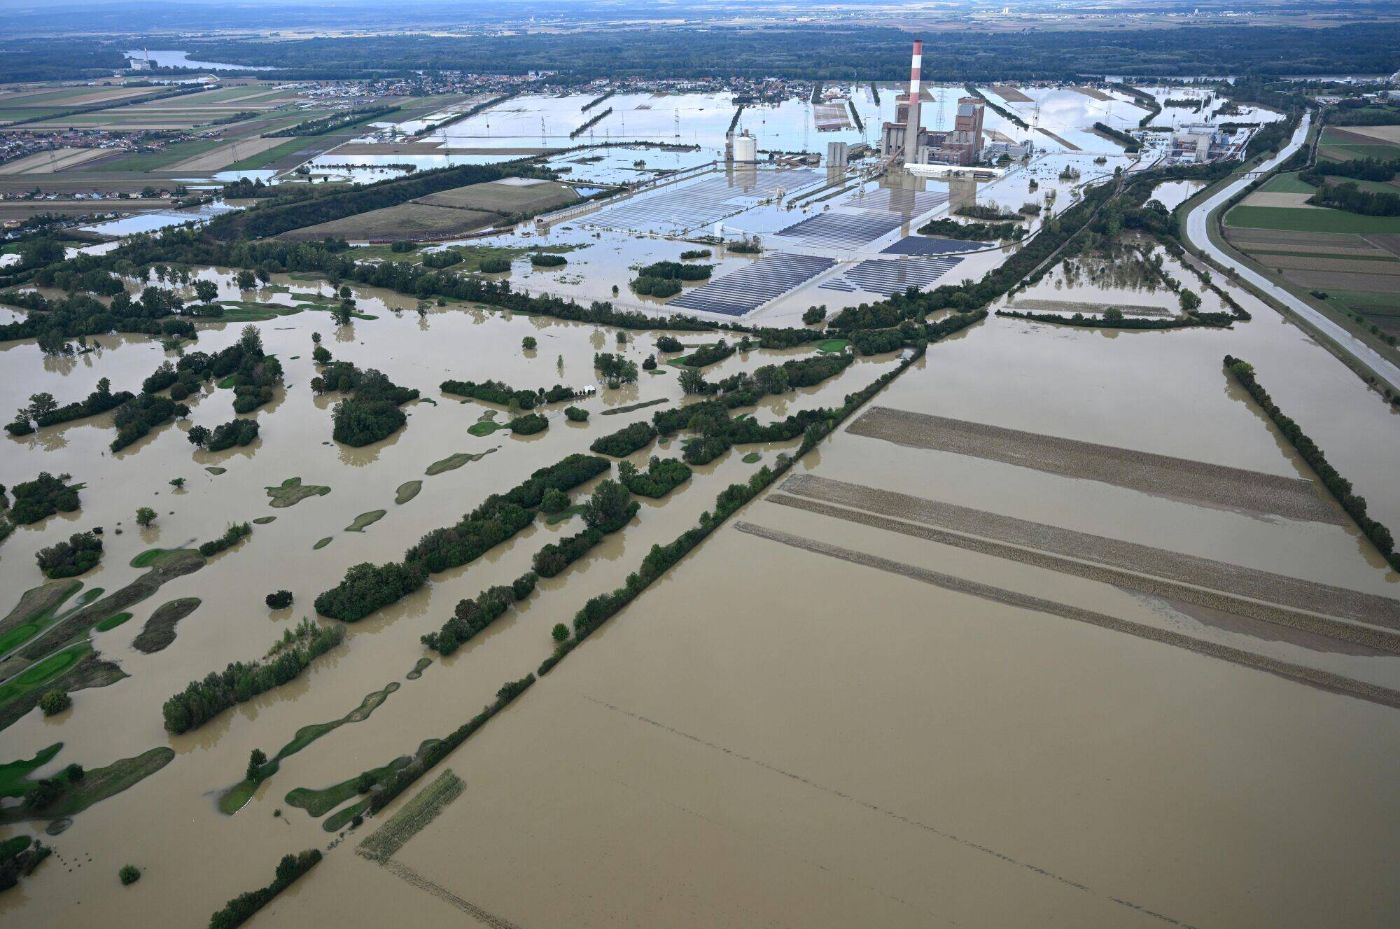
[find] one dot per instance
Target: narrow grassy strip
(1339, 487)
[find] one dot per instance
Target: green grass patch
(407, 491)
(264, 520)
(485, 428)
(216, 471)
(18, 636)
(14, 776)
(365, 519)
(419, 667)
(1308, 220)
(555, 518)
(321, 801)
(43, 671)
(322, 543)
(453, 462)
(248, 311)
(100, 783)
(292, 491)
(752, 458)
(1287, 184)
(263, 159)
(112, 622)
(343, 818)
(239, 794)
(831, 346)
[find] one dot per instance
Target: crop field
(504, 196)
(1309, 220)
(405, 221)
(1339, 144)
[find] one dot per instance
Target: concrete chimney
(911, 128)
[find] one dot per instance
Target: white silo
(745, 148)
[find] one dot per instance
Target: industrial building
(906, 140)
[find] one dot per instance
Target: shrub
(45, 495)
(625, 441)
(575, 414)
(78, 555)
(560, 632)
(544, 260)
(554, 501)
(529, 424)
(129, 874)
(667, 343)
(231, 536)
(54, 702)
(495, 265)
(528, 343)
(814, 315)
(660, 478)
(278, 600)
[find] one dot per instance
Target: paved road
(1196, 233)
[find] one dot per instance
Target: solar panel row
(892, 276)
(746, 290)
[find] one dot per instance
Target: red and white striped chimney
(911, 128)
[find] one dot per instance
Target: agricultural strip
(414, 879)
(1323, 680)
(1193, 482)
(159, 630)
(1372, 640)
(415, 815)
(1187, 569)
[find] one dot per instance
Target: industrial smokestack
(911, 128)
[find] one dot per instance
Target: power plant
(906, 141)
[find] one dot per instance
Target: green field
(1286, 184)
(1308, 220)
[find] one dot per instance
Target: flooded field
(1070, 606)
(976, 692)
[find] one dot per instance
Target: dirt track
(1324, 680)
(1175, 478)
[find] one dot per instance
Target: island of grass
(159, 630)
(292, 491)
(408, 490)
(37, 608)
(833, 345)
(319, 802)
(263, 520)
(455, 461)
(239, 794)
(74, 790)
(322, 543)
(112, 622)
(365, 519)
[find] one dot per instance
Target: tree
(41, 404)
(54, 702)
(278, 600)
(609, 508)
(343, 312)
(206, 291)
(246, 280)
(256, 760)
(145, 516)
(528, 343)
(198, 435)
(129, 874)
(1113, 314)
(177, 482)
(321, 355)
(1190, 301)
(560, 632)
(554, 501)
(692, 381)
(345, 292)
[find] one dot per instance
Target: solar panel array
(746, 290)
(892, 276)
(930, 245)
(687, 207)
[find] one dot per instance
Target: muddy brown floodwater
(769, 735)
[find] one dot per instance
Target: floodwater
(150, 222)
(233, 623)
(1171, 194)
(997, 765)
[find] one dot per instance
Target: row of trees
(202, 700)
(662, 476)
(625, 441)
(43, 409)
(1338, 486)
(367, 587)
(1350, 197)
(238, 432)
(243, 907)
(472, 616)
(234, 534)
(503, 394)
